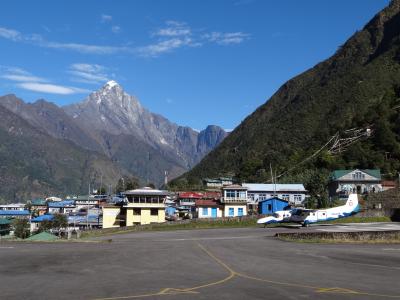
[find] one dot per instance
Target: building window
(231, 212)
(286, 197)
(269, 207)
(297, 198)
(136, 211)
(154, 211)
(230, 194)
(240, 211)
(242, 195)
(205, 211)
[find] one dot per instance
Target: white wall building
(295, 193)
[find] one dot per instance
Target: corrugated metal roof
(65, 203)
(4, 221)
(267, 187)
(14, 213)
(340, 173)
(42, 218)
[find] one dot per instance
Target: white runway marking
(6, 247)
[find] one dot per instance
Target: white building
(234, 200)
(295, 193)
(13, 206)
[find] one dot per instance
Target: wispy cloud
(18, 74)
(116, 29)
(174, 29)
(86, 49)
(172, 36)
(38, 40)
(88, 73)
(106, 18)
(227, 38)
(164, 46)
(10, 34)
(27, 81)
(51, 88)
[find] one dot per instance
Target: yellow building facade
(142, 206)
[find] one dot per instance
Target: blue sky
(195, 62)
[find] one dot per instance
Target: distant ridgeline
(354, 94)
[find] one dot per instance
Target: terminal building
(141, 206)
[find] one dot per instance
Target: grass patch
(357, 219)
(189, 225)
(343, 241)
(361, 237)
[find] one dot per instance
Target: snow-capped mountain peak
(110, 84)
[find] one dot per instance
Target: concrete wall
(110, 215)
(145, 216)
(235, 209)
(201, 215)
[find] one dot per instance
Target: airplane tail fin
(352, 201)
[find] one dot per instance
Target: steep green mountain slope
(34, 164)
(358, 87)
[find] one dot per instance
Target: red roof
(388, 183)
(194, 195)
(207, 202)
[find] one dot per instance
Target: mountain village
(222, 198)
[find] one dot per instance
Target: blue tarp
(43, 218)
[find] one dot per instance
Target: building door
(358, 189)
(240, 211)
(231, 212)
(213, 212)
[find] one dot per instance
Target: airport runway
(247, 263)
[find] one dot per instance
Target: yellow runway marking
(233, 273)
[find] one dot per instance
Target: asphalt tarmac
(246, 263)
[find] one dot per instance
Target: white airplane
(308, 216)
(279, 216)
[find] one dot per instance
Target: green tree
(59, 221)
(21, 228)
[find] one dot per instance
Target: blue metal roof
(64, 203)
(43, 218)
(14, 213)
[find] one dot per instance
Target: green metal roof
(38, 202)
(43, 236)
(4, 221)
(335, 175)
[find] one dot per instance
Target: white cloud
(18, 74)
(38, 40)
(87, 49)
(106, 18)
(174, 29)
(10, 34)
(226, 38)
(116, 29)
(51, 88)
(173, 36)
(27, 81)
(89, 73)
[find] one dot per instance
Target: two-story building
(61, 207)
(293, 193)
(142, 206)
(234, 200)
(187, 201)
(344, 182)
